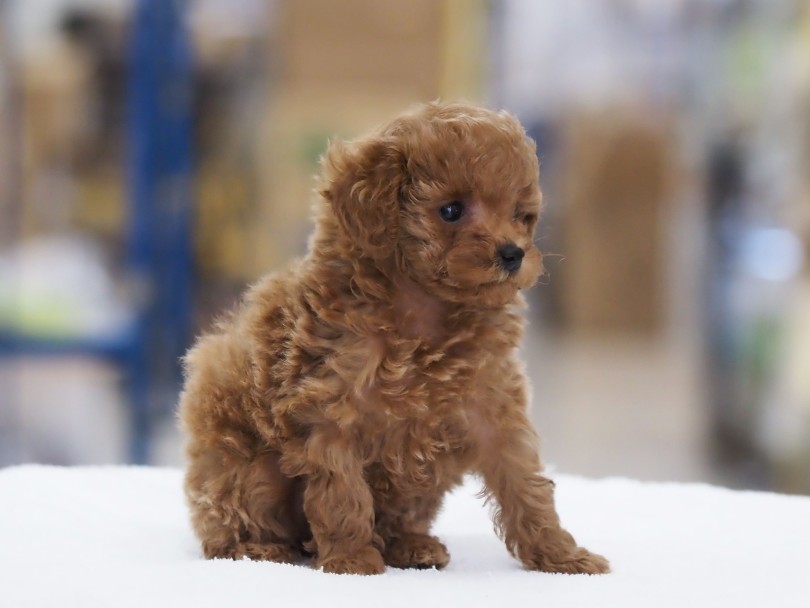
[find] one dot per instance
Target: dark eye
(452, 212)
(528, 219)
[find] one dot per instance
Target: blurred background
(157, 155)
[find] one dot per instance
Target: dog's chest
(417, 383)
(420, 426)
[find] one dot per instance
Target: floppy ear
(362, 182)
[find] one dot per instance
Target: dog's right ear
(362, 182)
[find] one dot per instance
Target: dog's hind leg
(246, 508)
(404, 527)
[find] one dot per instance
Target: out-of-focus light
(772, 254)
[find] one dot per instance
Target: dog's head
(447, 195)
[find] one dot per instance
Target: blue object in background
(159, 247)
(159, 227)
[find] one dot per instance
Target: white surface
(119, 537)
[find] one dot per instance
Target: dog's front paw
(365, 561)
(575, 561)
(416, 551)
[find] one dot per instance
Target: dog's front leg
(340, 509)
(525, 517)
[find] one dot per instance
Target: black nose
(510, 257)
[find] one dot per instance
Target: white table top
(119, 536)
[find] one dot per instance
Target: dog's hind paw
(366, 561)
(416, 551)
(272, 552)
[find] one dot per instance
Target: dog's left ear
(362, 181)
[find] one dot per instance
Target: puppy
(328, 414)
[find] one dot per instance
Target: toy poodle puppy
(329, 413)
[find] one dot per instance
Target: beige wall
(341, 68)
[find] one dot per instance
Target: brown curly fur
(328, 415)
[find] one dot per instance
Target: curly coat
(328, 414)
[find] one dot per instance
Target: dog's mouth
(479, 275)
(506, 280)
(490, 284)
(501, 278)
